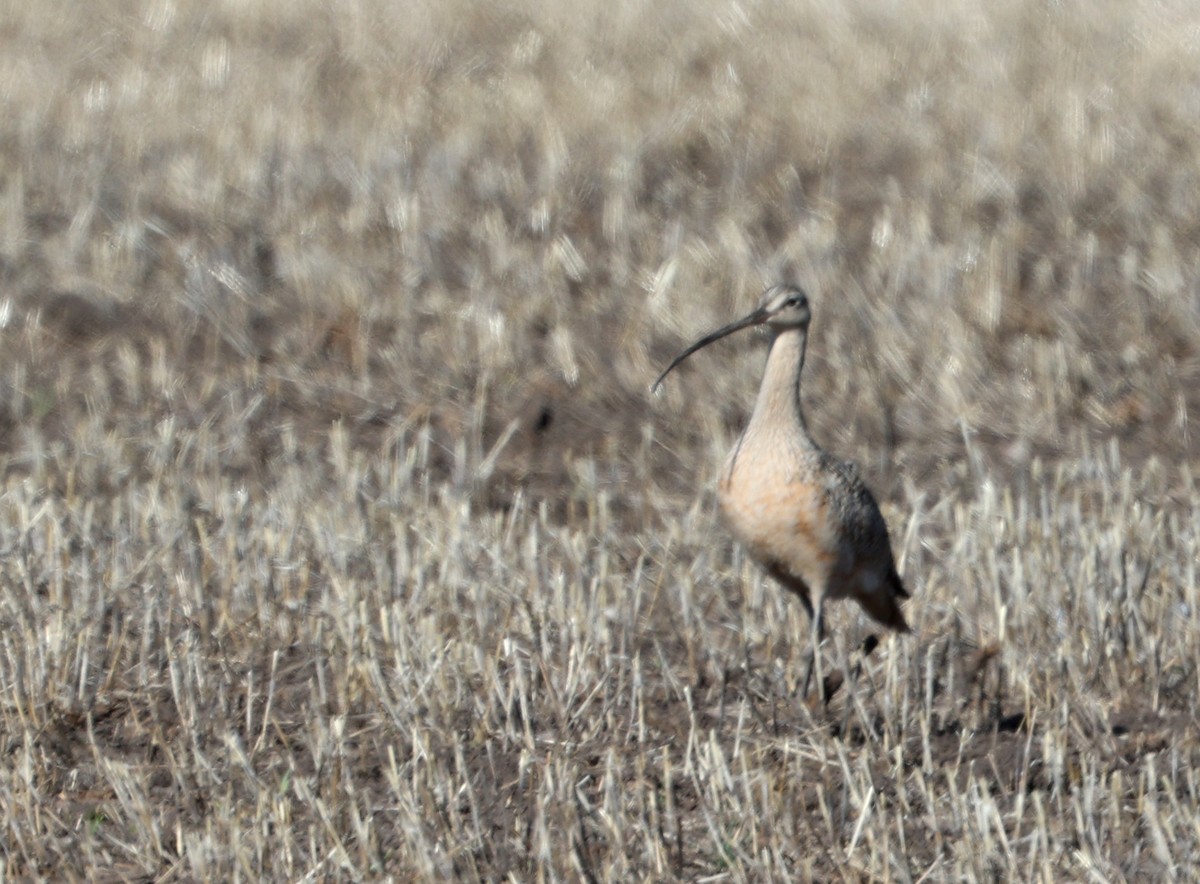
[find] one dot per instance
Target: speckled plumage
(804, 515)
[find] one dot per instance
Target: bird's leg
(851, 674)
(851, 697)
(814, 619)
(808, 670)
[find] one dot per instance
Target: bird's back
(865, 570)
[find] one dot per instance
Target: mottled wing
(867, 570)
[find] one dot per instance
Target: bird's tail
(885, 606)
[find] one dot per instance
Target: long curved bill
(755, 318)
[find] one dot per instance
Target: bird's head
(782, 307)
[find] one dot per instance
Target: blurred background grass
(466, 215)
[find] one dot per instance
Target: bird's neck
(778, 404)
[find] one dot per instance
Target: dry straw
(340, 540)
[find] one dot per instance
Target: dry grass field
(340, 538)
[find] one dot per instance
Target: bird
(804, 515)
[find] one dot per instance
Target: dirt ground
(342, 539)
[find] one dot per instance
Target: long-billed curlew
(804, 515)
